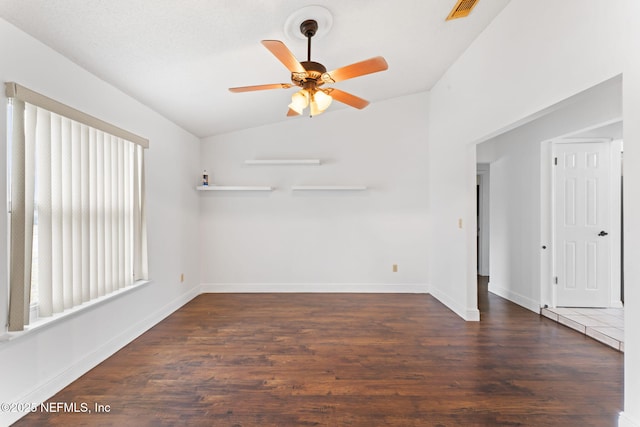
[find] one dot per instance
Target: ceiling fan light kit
(310, 76)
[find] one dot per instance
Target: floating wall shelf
(232, 188)
(328, 188)
(283, 162)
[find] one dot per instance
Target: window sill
(44, 322)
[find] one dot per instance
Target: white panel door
(582, 224)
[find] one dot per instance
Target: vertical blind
(77, 208)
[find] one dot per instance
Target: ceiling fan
(312, 76)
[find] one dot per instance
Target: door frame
(547, 287)
(483, 174)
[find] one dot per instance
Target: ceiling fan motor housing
(314, 72)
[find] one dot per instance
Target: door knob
(602, 233)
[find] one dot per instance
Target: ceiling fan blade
(347, 98)
(368, 66)
(284, 55)
(292, 113)
(260, 87)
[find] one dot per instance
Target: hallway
(602, 324)
(605, 325)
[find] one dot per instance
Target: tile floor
(603, 324)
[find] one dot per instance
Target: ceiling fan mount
(310, 76)
(309, 28)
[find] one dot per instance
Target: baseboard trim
(470, 315)
(378, 288)
(53, 385)
(514, 297)
(625, 421)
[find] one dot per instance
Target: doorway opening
(520, 237)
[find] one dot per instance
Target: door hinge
(555, 161)
(555, 280)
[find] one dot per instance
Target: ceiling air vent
(461, 9)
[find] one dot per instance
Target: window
(77, 212)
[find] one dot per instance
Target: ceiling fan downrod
(308, 29)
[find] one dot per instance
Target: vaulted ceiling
(179, 57)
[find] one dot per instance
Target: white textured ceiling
(179, 57)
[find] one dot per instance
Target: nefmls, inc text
(54, 407)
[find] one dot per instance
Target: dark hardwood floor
(349, 360)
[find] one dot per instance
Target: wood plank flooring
(349, 360)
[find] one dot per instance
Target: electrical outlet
(395, 268)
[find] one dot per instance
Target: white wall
(516, 213)
(36, 365)
(533, 55)
(631, 134)
(322, 241)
